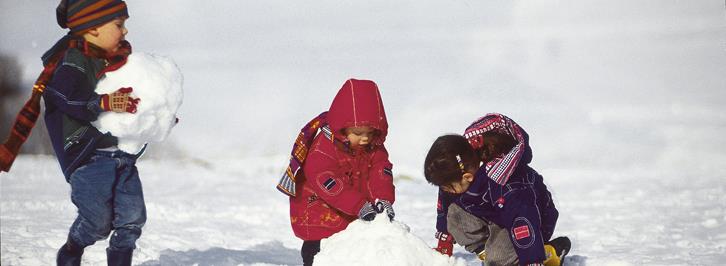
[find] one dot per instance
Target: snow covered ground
(624, 102)
(228, 212)
(379, 242)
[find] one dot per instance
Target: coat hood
(500, 169)
(358, 103)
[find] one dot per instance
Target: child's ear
(93, 32)
(468, 177)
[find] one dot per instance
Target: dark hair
(441, 166)
(494, 144)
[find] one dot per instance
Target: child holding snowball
(105, 185)
(346, 175)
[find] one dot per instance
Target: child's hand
(384, 205)
(446, 243)
(367, 212)
(119, 101)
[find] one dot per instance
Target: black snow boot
(119, 257)
(308, 251)
(69, 254)
(561, 246)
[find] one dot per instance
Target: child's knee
(87, 232)
(97, 223)
(500, 250)
(467, 229)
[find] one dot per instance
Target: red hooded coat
(338, 180)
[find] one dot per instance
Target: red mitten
(119, 101)
(446, 243)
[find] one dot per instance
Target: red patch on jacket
(521, 232)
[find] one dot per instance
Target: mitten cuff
(367, 212)
(445, 237)
(384, 205)
(94, 104)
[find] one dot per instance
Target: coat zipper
(74, 138)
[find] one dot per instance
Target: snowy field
(228, 212)
(624, 102)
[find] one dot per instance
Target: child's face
(359, 136)
(495, 145)
(109, 35)
(460, 186)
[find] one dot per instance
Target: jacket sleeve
(326, 179)
(71, 93)
(442, 209)
(380, 182)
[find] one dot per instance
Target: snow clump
(157, 81)
(379, 242)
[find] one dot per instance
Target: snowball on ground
(157, 81)
(379, 242)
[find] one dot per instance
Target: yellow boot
(552, 258)
(556, 250)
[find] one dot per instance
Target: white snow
(623, 100)
(379, 242)
(710, 223)
(226, 211)
(157, 81)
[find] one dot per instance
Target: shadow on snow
(570, 260)
(273, 253)
(268, 253)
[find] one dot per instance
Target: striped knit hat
(81, 15)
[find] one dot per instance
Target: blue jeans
(107, 192)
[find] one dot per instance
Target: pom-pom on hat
(81, 15)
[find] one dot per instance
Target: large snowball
(379, 242)
(157, 81)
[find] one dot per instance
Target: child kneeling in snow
(105, 185)
(346, 175)
(502, 206)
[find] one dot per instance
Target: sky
(603, 85)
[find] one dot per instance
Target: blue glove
(384, 205)
(367, 212)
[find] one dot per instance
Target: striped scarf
(300, 151)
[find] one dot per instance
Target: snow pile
(379, 242)
(157, 81)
